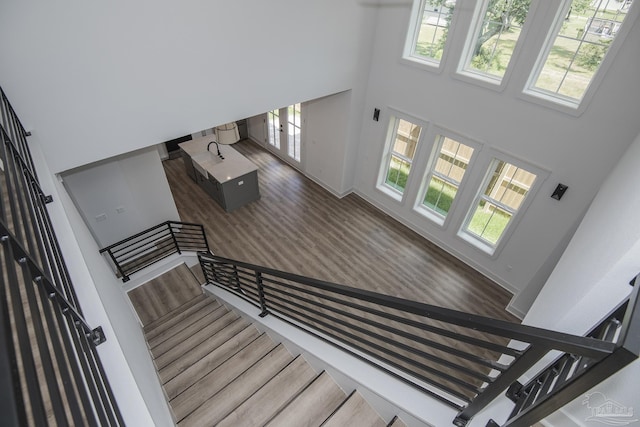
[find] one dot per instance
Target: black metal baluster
(263, 304)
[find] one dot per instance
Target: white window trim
(566, 104)
(412, 34)
(486, 248)
(485, 80)
(434, 135)
(387, 151)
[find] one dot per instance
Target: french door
(284, 129)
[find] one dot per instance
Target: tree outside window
(583, 34)
(431, 29)
(496, 34)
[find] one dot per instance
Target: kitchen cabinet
(232, 182)
(188, 165)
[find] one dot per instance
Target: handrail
(566, 377)
(149, 246)
(50, 371)
(462, 355)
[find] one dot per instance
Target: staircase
(216, 368)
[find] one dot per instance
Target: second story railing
(50, 370)
(461, 359)
(154, 244)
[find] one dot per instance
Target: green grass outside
(488, 223)
(561, 54)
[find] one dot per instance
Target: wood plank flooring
(299, 227)
(159, 297)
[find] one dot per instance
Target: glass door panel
(294, 128)
(274, 128)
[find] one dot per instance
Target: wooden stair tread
(192, 340)
(273, 396)
(397, 422)
(313, 405)
(355, 412)
(176, 315)
(186, 322)
(227, 399)
(196, 395)
(178, 338)
(197, 364)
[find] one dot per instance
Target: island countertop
(233, 166)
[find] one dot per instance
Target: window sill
(391, 192)
(430, 215)
(564, 105)
(423, 64)
(478, 244)
(482, 80)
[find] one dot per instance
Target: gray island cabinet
(232, 182)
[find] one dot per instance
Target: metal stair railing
(461, 359)
(143, 249)
(571, 375)
(50, 371)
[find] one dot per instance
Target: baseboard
(439, 243)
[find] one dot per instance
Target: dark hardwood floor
(299, 227)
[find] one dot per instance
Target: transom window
(497, 30)
(449, 163)
(402, 149)
(428, 33)
(584, 31)
(505, 189)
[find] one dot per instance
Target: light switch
(101, 217)
(120, 209)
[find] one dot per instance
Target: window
(496, 32)
(294, 131)
(402, 149)
(583, 33)
(428, 33)
(505, 189)
(449, 163)
(274, 128)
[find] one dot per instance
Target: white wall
(592, 276)
(96, 79)
(326, 126)
(99, 79)
(577, 151)
(122, 196)
(124, 355)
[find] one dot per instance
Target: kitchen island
(232, 182)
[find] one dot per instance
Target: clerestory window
(428, 31)
(495, 34)
(581, 37)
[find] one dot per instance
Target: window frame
(463, 72)
(413, 29)
(436, 142)
(496, 156)
(564, 103)
(387, 153)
